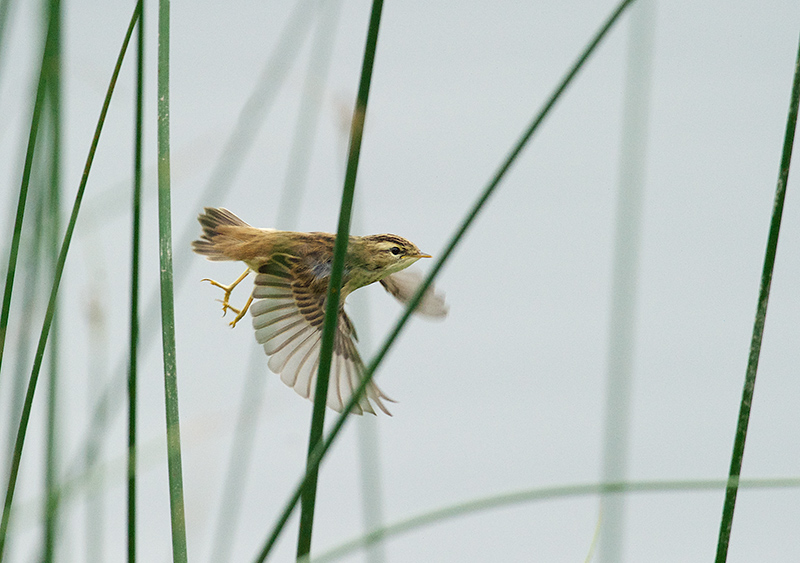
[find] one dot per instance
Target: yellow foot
(240, 314)
(225, 299)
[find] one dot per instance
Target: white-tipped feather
(282, 324)
(404, 284)
(307, 379)
(334, 399)
(278, 317)
(290, 361)
(288, 339)
(264, 306)
(270, 291)
(293, 345)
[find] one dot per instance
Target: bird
(287, 303)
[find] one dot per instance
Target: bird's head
(387, 254)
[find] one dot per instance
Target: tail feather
(211, 221)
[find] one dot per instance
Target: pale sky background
(508, 392)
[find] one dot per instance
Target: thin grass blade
(758, 327)
(133, 347)
(41, 91)
(36, 116)
(335, 284)
(539, 495)
(286, 219)
(62, 258)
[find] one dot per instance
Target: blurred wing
(287, 316)
(403, 285)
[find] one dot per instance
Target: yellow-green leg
(225, 300)
(240, 314)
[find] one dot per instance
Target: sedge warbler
(288, 300)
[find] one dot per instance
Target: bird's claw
(227, 289)
(227, 307)
(226, 299)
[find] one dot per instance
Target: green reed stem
(331, 324)
(316, 458)
(54, 226)
(133, 347)
(177, 513)
(41, 91)
(36, 116)
(758, 327)
(62, 258)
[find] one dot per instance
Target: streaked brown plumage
(288, 300)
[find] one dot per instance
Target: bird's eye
(395, 250)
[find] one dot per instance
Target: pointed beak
(420, 255)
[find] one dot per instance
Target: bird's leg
(228, 289)
(240, 314)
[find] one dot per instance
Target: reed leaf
(36, 116)
(177, 513)
(133, 348)
(335, 284)
(544, 494)
(51, 484)
(758, 327)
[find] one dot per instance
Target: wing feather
(404, 284)
(288, 312)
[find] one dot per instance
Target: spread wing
(403, 285)
(288, 312)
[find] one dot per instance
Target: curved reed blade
(494, 502)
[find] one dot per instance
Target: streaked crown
(382, 255)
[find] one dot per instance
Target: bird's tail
(216, 223)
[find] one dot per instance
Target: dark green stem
(41, 90)
(758, 327)
(54, 228)
(134, 318)
(334, 287)
(36, 116)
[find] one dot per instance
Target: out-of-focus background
(510, 391)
